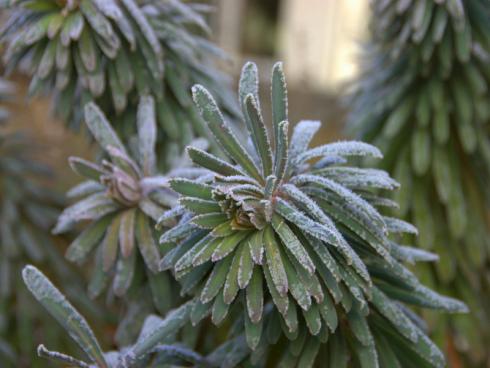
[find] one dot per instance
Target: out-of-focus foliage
(122, 198)
(290, 239)
(424, 99)
(27, 212)
(156, 344)
(112, 52)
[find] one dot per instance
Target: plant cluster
(424, 100)
(256, 250)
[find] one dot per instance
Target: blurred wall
(318, 40)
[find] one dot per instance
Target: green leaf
(57, 305)
(199, 206)
(124, 273)
(100, 128)
(279, 98)
(292, 243)
(281, 157)
(215, 280)
(274, 261)
(255, 298)
(110, 243)
(126, 232)
(86, 168)
(328, 312)
(208, 161)
(221, 131)
(303, 133)
(259, 135)
(253, 332)
(231, 287)
(209, 220)
(87, 240)
(313, 319)
(281, 301)
(173, 322)
(246, 267)
(256, 245)
(146, 242)
(147, 134)
(191, 188)
(227, 245)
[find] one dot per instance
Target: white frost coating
(111, 10)
(245, 268)
(367, 212)
(249, 83)
(303, 133)
(412, 255)
(324, 233)
(94, 206)
(294, 245)
(57, 305)
(60, 357)
(85, 188)
(100, 128)
(396, 226)
(341, 148)
(146, 28)
(391, 311)
(353, 177)
(147, 134)
(173, 321)
(222, 133)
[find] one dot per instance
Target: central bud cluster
(121, 186)
(245, 210)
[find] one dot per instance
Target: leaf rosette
(294, 235)
(122, 198)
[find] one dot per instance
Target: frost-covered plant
(424, 99)
(113, 51)
(122, 198)
(156, 344)
(291, 236)
(28, 209)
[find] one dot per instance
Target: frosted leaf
(412, 255)
(57, 305)
(173, 321)
(100, 128)
(367, 212)
(60, 357)
(92, 207)
(303, 133)
(147, 134)
(328, 234)
(356, 178)
(341, 148)
(85, 188)
(396, 226)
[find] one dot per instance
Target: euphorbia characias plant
(122, 197)
(292, 238)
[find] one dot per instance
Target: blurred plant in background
(28, 210)
(424, 99)
(112, 52)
